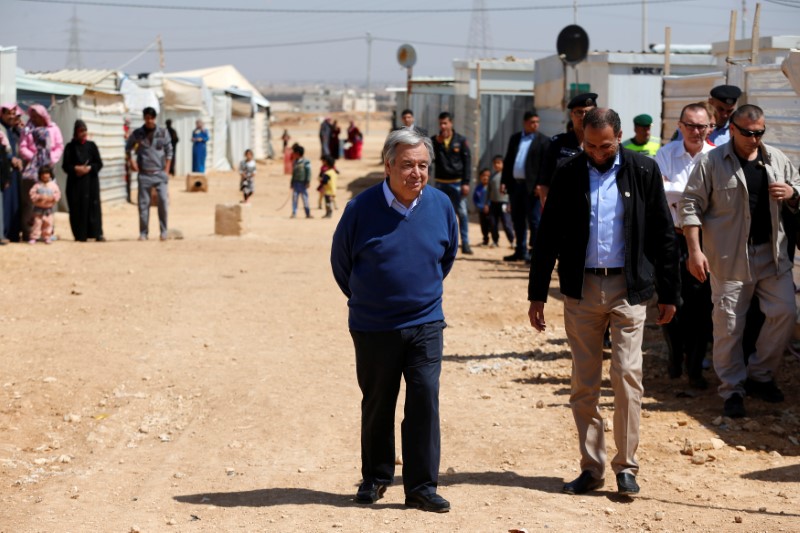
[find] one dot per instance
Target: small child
(498, 204)
(481, 200)
(301, 179)
(44, 194)
(247, 171)
(328, 184)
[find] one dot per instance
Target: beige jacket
(716, 198)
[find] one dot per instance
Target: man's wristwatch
(795, 195)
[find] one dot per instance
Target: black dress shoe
(514, 257)
(427, 502)
(626, 484)
(370, 492)
(583, 484)
(734, 406)
(466, 249)
(766, 390)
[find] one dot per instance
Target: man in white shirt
(690, 330)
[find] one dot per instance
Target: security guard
(565, 145)
(723, 99)
(641, 141)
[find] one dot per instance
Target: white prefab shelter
(103, 114)
(185, 101)
(102, 107)
(244, 129)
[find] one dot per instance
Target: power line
(786, 3)
(199, 48)
(328, 11)
(274, 45)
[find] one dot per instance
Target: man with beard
(607, 223)
(153, 148)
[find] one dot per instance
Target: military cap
(642, 120)
(583, 100)
(726, 93)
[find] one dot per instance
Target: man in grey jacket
(153, 147)
(736, 194)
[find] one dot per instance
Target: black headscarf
(79, 124)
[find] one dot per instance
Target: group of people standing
(29, 153)
(703, 228)
(331, 145)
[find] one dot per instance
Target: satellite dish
(572, 44)
(406, 56)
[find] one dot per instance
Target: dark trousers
(11, 213)
(382, 358)
(486, 225)
(689, 331)
(526, 211)
(498, 213)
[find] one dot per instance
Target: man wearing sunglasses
(688, 333)
(736, 194)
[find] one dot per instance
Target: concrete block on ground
(196, 182)
(232, 219)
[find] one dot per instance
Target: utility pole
(369, 75)
(744, 19)
(74, 52)
(574, 11)
(479, 38)
(644, 25)
(161, 61)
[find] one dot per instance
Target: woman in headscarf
(41, 145)
(354, 142)
(82, 163)
(199, 140)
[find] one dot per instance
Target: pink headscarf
(41, 111)
(10, 105)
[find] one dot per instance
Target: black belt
(604, 271)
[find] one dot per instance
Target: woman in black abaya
(82, 164)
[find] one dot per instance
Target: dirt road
(208, 384)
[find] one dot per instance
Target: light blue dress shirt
(395, 204)
(606, 248)
(721, 134)
(522, 155)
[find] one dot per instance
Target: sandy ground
(208, 384)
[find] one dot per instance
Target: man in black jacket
(452, 170)
(607, 222)
(522, 168)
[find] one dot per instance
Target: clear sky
(111, 35)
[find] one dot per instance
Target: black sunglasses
(749, 133)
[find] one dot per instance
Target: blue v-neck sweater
(391, 267)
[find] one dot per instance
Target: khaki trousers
(731, 300)
(605, 301)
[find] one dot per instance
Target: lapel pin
(627, 194)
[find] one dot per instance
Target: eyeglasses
(698, 127)
(749, 133)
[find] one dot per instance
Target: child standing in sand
(247, 172)
(44, 195)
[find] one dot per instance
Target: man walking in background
(452, 170)
(522, 168)
(153, 147)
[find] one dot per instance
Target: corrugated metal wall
(103, 114)
(767, 87)
(501, 117)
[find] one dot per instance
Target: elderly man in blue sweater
(392, 249)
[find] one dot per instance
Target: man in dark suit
(522, 167)
(607, 222)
